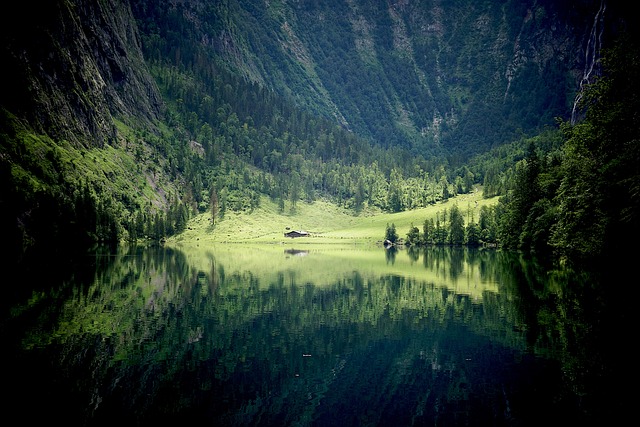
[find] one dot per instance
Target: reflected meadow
(332, 336)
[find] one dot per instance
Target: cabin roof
(296, 233)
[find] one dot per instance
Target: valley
(145, 121)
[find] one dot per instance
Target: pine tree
(428, 231)
(456, 226)
(213, 204)
(472, 234)
(413, 236)
(391, 235)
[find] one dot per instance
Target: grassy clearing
(326, 222)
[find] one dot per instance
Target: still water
(330, 336)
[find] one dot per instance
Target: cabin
(296, 233)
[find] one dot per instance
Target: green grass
(326, 222)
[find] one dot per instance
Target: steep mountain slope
(72, 67)
(434, 76)
(73, 70)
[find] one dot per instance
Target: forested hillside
(584, 199)
(434, 77)
(124, 119)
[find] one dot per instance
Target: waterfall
(592, 50)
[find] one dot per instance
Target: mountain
(438, 77)
(121, 119)
(72, 67)
(74, 73)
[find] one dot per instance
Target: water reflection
(296, 252)
(252, 336)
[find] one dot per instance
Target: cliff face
(464, 75)
(72, 66)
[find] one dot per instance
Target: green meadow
(340, 243)
(326, 223)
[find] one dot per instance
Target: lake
(283, 335)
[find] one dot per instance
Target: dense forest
(574, 194)
(418, 75)
(223, 137)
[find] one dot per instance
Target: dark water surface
(277, 336)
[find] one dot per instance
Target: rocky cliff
(72, 66)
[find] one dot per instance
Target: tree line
(449, 227)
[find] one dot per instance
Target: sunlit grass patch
(325, 221)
